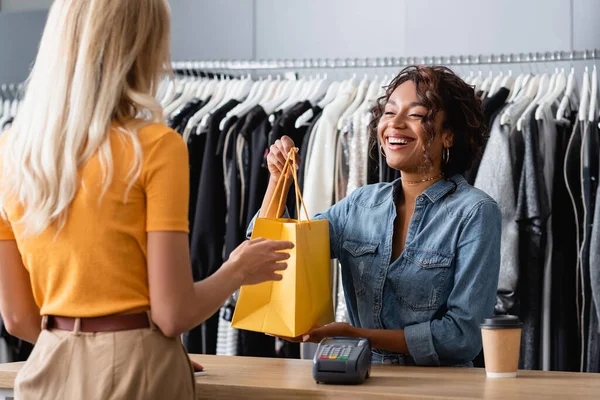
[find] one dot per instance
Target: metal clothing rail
(387, 62)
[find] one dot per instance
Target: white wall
(246, 29)
(20, 34)
(215, 29)
(340, 28)
(24, 5)
(330, 29)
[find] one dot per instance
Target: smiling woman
(420, 256)
(433, 100)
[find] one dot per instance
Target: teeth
(397, 141)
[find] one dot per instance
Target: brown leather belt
(109, 323)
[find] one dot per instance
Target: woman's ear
(447, 139)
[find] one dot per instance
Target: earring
(446, 155)
(381, 151)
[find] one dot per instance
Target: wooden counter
(270, 379)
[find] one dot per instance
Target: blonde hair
(99, 61)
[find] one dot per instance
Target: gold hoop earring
(381, 151)
(446, 155)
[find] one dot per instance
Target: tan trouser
(137, 364)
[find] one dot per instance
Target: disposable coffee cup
(501, 344)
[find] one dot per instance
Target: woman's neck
(413, 184)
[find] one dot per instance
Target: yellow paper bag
(303, 298)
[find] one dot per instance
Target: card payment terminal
(342, 361)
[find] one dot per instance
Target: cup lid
(502, 322)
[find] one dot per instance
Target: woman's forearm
(211, 293)
(391, 340)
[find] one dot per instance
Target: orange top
(96, 265)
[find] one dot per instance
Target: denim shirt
(443, 284)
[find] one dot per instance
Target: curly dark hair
(438, 88)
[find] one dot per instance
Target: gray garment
(547, 139)
(593, 364)
(495, 177)
(590, 149)
(593, 345)
(595, 256)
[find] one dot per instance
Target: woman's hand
(278, 154)
(259, 260)
(336, 329)
(315, 335)
(197, 367)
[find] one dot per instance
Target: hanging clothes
(590, 154)
(491, 108)
(208, 226)
(565, 346)
(501, 187)
(532, 213)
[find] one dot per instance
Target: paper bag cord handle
(290, 163)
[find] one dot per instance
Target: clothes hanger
(518, 84)
(559, 88)
(296, 91)
(245, 88)
(585, 97)
(477, 81)
(330, 94)
(319, 91)
(542, 89)
(524, 97)
(219, 90)
(361, 91)
(593, 96)
(372, 95)
(250, 102)
(508, 81)
(495, 84)
(284, 91)
(272, 90)
(569, 98)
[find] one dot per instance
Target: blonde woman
(94, 258)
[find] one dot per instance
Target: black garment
(238, 161)
(196, 144)
(533, 210)
(206, 241)
(317, 112)
(190, 113)
(590, 150)
(491, 107)
(175, 122)
(566, 346)
(572, 170)
(18, 350)
(285, 125)
(234, 194)
(238, 152)
(259, 172)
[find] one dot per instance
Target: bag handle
(290, 164)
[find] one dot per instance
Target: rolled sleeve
(419, 340)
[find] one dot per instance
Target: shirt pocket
(423, 277)
(361, 256)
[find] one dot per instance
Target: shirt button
(418, 217)
(425, 262)
(421, 198)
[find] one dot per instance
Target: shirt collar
(436, 191)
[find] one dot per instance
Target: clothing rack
(386, 62)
